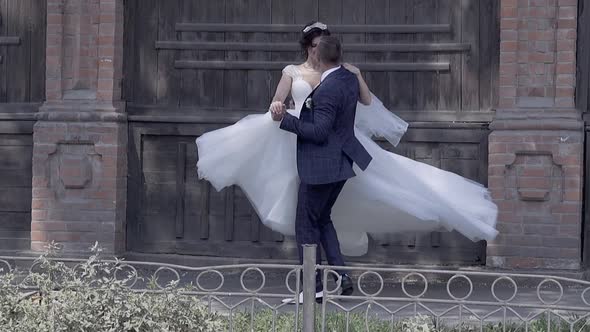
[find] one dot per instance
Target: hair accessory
(318, 25)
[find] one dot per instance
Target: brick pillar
(536, 146)
(80, 137)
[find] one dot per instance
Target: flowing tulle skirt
(394, 194)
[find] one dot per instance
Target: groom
(326, 150)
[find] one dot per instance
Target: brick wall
(536, 148)
(80, 138)
(535, 161)
(537, 53)
(79, 185)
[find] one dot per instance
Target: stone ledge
(82, 111)
(538, 119)
(72, 116)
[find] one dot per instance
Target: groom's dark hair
(330, 50)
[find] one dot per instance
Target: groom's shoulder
(345, 74)
(340, 76)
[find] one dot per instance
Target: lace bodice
(300, 88)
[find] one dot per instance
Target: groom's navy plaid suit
(326, 149)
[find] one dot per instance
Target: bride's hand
(277, 110)
(352, 68)
(275, 107)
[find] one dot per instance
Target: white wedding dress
(394, 194)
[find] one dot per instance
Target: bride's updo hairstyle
(309, 32)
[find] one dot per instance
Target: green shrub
(89, 297)
(94, 297)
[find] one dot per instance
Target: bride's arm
(281, 94)
(364, 92)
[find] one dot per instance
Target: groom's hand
(278, 112)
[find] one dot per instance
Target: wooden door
(583, 104)
(22, 89)
(197, 65)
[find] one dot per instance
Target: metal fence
(393, 297)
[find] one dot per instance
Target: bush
(89, 297)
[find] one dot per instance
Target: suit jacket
(326, 145)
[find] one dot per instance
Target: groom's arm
(324, 115)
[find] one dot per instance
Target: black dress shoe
(346, 286)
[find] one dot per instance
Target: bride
(394, 194)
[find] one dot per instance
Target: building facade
(101, 100)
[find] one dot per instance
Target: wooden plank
(586, 51)
(229, 214)
(241, 250)
(230, 115)
(236, 79)
(283, 13)
(268, 65)
(17, 127)
(15, 178)
(15, 221)
(303, 13)
(191, 81)
(204, 210)
(15, 157)
(586, 232)
(129, 55)
(435, 239)
(3, 66)
(401, 84)
(19, 108)
(411, 241)
(330, 13)
(22, 139)
(9, 41)
(425, 84)
(377, 13)
(449, 83)
(483, 161)
(18, 57)
(254, 227)
(470, 67)
(205, 119)
(583, 59)
(168, 85)
(354, 13)
(290, 47)
(258, 90)
(204, 88)
(146, 63)
(134, 186)
(180, 189)
(37, 20)
(488, 52)
(155, 226)
(15, 199)
(296, 28)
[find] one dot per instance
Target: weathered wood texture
(583, 104)
(179, 52)
(195, 65)
(22, 89)
(583, 57)
(22, 51)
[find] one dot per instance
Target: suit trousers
(313, 224)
